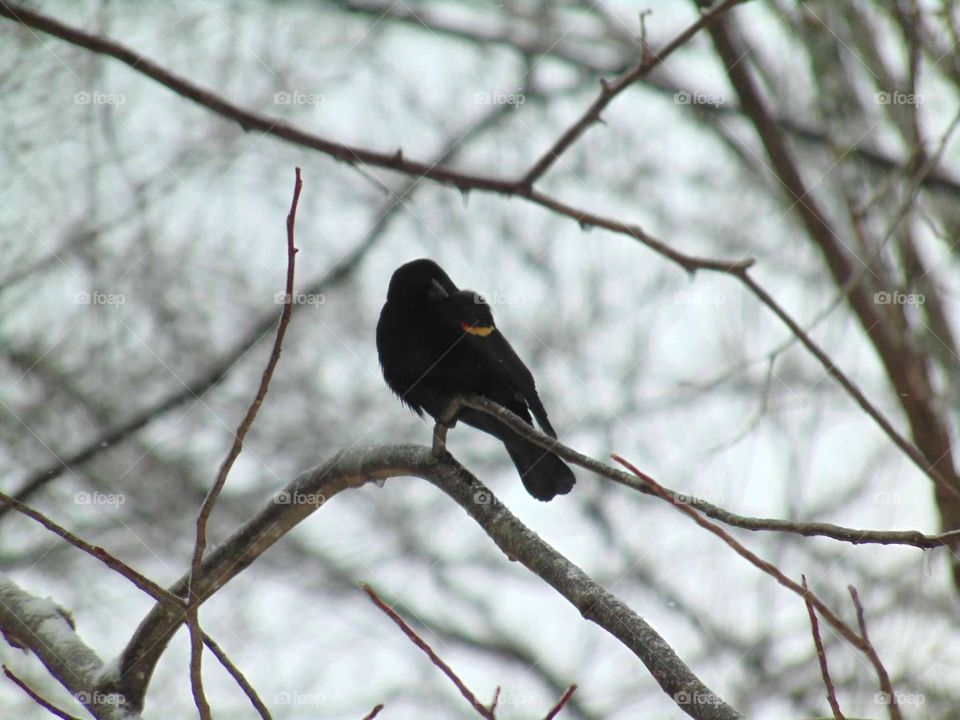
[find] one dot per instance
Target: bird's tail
(543, 473)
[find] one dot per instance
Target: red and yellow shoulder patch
(481, 330)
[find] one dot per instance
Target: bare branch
(114, 563)
(906, 369)
(610, 90)
(373, 713)
(561, 703)
(193, 621)
(354, 468)
(860, 643)
(44, 627)
(481, 709)
(351, 154)
(871, 652)
(37, 698)
(912, 538)
(238, 676)
(822, 656)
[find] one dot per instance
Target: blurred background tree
(142, 245)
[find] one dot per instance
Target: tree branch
(912, 538)
(46, 629)
(822, 656)
(193, 620)
(37, 697)
(860, 642)
(610, 90)
(354, 468)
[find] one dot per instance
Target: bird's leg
(446, 421)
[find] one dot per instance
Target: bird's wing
(476, 321)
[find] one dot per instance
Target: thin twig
(912, 538)
(114, 563)
(463, 181)
(908, 448)
(871, 651)
(42, 702)
(822, 656)
(193, 601)
(238, 676)
(770, 569)
(434, 658)
(373, 713)
(564, 699)
(610, 90)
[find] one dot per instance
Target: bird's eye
(437, 291)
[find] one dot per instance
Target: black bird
(436, 341)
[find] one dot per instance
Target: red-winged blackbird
(436, 341)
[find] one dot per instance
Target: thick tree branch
(354, 468)
(860, 642)
(45, 629)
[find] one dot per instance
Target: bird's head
(420, 282)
